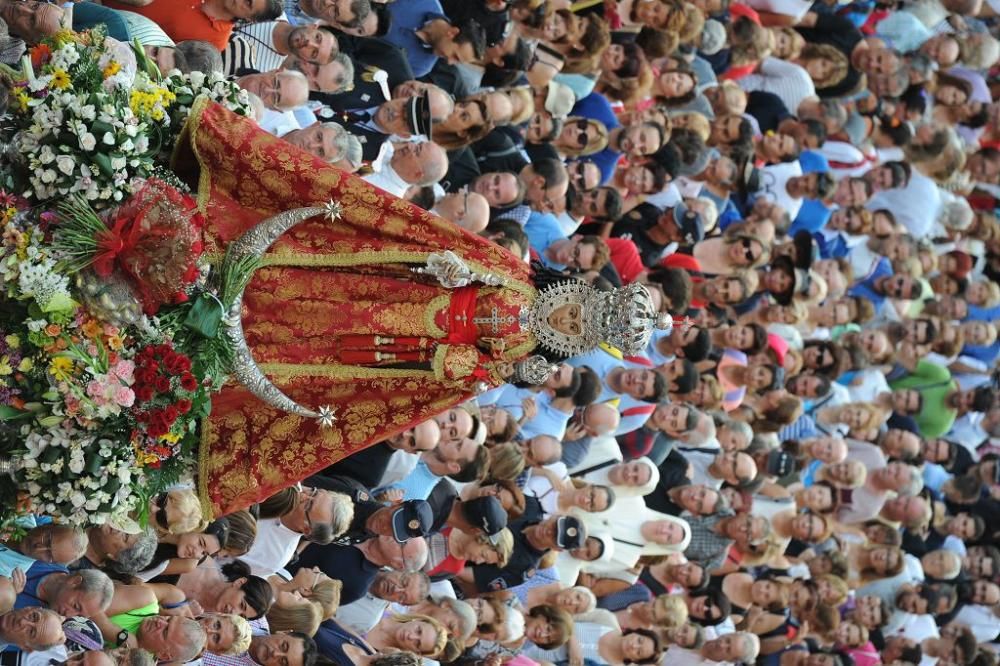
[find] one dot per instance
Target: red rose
(143, 393)
(162, 384)
(183, 405)
(170, 414)
(188, 382)
(156, 429)
(184, 363)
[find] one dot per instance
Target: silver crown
(533, 370)
(624, 318)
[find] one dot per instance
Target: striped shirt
(145, 30)
(252, 47)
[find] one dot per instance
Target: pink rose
(95, 389)
(123, 370)
(124, 396)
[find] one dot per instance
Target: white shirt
(678, 656)
(279, 123)
(773, 179)
(981, 621)
(272, 549)
(871, 383)
(388, 179)
(400, 464)
(362, 615)
(915, 206)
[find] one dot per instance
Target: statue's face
(567, 319)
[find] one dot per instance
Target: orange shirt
(182, 19)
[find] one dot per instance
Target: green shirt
(935, 384)
(130, 621)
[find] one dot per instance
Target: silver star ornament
(327, 416)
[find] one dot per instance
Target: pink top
(732, 395)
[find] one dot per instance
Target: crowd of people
(800, 472)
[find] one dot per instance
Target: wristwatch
(122, 637)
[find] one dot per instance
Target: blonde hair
(504, 547)
(838, 63)
(527, 106)
(839, 586)
(506, 462)
(326, 592)
(440, 629)
(241, 634)
(674, 608)
(855, 480)
(595, 145)
(694, 121)
(185, 501)
(304, 616)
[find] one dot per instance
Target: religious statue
(367, 316)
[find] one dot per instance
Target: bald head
(600, 419)
(408, 556)
(423, 163)
(542, 450)
(469, 210)
(704, 431)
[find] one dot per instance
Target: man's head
(461, 43)
(541, 450)
(598, 419)
(401, 587)
(699, 500)
(283, 648)
(583, 175)
(387, 552)
(279, 90)
(172, 638)
(313, 43)
(546, 182)
(327, 141)
(32, 628)
(32, 21)
(320, 515)
(82, 593)
(583, 253)
(331, 77)
(423, 163)
(740, 646)
(674, 419)
(469, 210)
(58, 544)
(601, 204)
(641, 139)
(735, 467)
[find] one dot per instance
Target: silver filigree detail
(256, 242)
(533, 370)
(333, 210)
(452, 272)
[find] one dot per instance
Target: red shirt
(625, 257)
(182, 19)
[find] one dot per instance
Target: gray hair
(347, 145)
(193, 643)
(96, 582)
(751, 647)
(58, 641)
(956, 214)
(466, 615)
(132, 657)
(138, 556)
(417, 560)
(742, 428)
(343, 514)
(200, 56)
(914, 485)
(345, 81)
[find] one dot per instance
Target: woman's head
(771, 595)
(581, 137)
(311, 583)
(291, 612)
(827, 66)
(495, 550)
(641, 646)
(576, 600)
(177, 512)
(421, 634)
(845, 474)
(883, 561)
(548, 627)
(244, 594)
(226, 634)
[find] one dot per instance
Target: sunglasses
(748, 252)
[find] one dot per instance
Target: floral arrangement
(91, 116)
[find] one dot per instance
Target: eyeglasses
(161, 511)
(307, 507)
(748, 249)
(582, 137)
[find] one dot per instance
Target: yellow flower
(112, 69)
(13, 341)
(25, 365)
(115, 342)
(22, 100)
(60, 79)
(5, 368)
(61, 368)
(170, 437)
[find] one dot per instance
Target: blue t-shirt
(596, 106)
(407, 18)
(543, 230)
(38, 571)
(866, 287)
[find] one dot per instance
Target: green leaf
(59, 303)
(104, 164)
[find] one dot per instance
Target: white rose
(118, 163)
(45, 155)
(78, 499)
(197, 79)
(108, 138)
(48, 176)
(88, 142)
(65, 164)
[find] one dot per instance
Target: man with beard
(264, 46)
